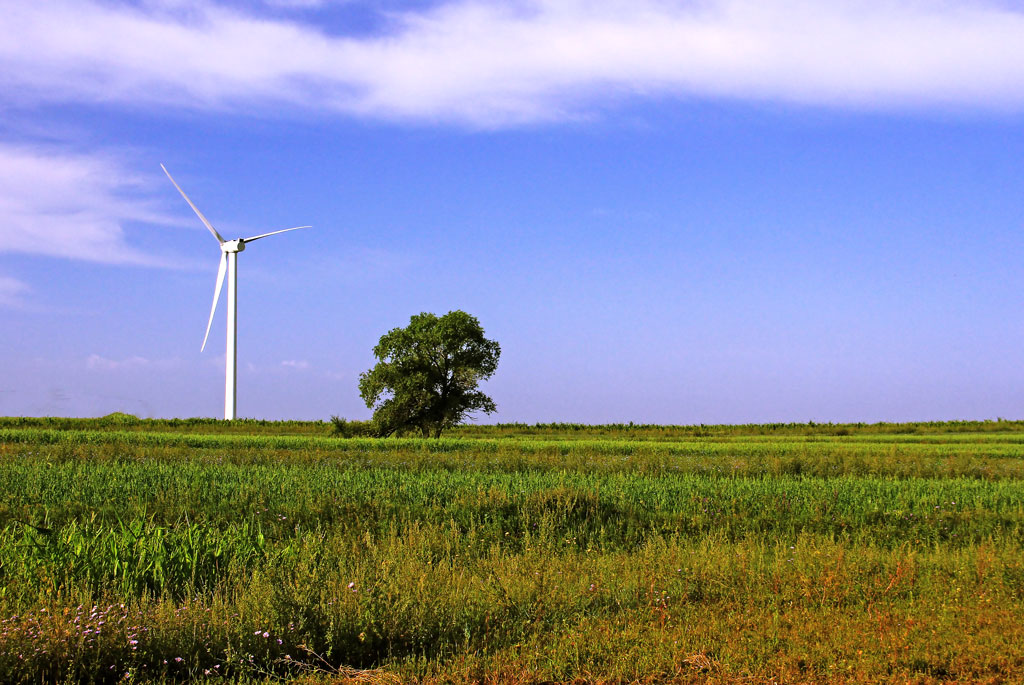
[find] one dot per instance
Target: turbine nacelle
(233, 245)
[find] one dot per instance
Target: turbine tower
(229, 250)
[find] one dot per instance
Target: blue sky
(679, 212)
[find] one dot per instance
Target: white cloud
(98, 363)
(298, 364)
(72, 205)
(295, 4)
(12, 291)
(494, 63)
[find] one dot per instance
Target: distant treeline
(341, 427)
(128, 422)
(648, 431)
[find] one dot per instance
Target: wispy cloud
(297, 364)
(65, 204)
(12, 292)
(296, 4)
(495, 63)
(96, 362)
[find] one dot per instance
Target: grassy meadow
(200, 550)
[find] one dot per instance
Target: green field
(253, 551)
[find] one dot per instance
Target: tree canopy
(427, 373)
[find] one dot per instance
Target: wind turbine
(229, 250)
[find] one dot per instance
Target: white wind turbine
(229, 250)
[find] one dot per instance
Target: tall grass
(162, 556)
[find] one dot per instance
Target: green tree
(427, 373)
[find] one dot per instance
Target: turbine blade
(216, 294)
(194, 208)
(264, 235)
